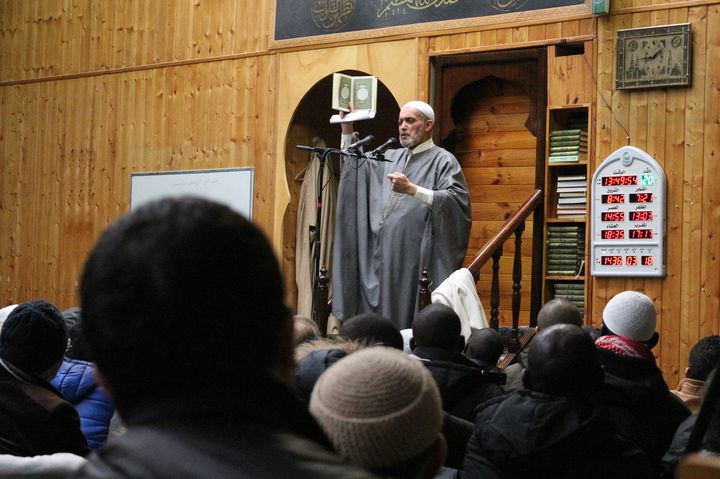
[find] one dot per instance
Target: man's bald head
(559, 311)
(563, 361)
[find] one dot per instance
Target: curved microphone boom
(390, 143)
(359, 143)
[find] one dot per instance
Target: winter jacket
(34, 419)
(637, 397)
(461, 382)
(529, 434)
(76, 383)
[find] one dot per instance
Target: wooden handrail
(512, 224)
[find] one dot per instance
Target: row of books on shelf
(572, 291)
(568, 145)
(565, 250)
(571, 196)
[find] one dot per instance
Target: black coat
(644, 409)
(34, 418)
(460, 381)
(528, 434)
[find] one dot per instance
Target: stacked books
(572, 291)
(565, 250)
(568, 146)
(571, 196)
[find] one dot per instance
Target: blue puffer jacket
(76, 383)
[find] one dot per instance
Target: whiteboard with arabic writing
(232, 187)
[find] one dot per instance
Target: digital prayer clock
(628, 222)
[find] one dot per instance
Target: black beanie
(33, 337)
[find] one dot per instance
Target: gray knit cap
(378, 406)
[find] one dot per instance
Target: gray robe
(383, 239)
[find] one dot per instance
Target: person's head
(437, 326)
(632, 315)
(382, 410)
(704, 356)
(415, 123)
(77, 349)
(34, 338)
(563, 361)
(5, 312)
(559, 311)
(183, 288)
(372, 329)
(305, 329)
(485, 346)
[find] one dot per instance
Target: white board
(232, 187)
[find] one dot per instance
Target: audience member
(635, 392)
(34, 419)
(182, 303)
(372, 329)
(75, 380)
(305, 329)
(484, 348)
(381, 410)
(555, 311)
(703, 358)
(314, 357)
(438, 343)
(553, 428)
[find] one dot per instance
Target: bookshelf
(566, 204)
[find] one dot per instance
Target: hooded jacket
(529, 434)
(76, 383)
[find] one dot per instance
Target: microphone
(390, 143)
(363, 142)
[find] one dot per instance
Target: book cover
(361, 91)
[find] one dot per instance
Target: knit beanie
(33, 337)
(378, 407)
(631, 315)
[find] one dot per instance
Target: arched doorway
(309, 124)
(492, 116)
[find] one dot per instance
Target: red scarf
(625, 347)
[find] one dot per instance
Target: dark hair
(78, 348)
(436, 325)
(182, 293)
(559, 311)
(372, 329)
(485, 345)
(563, 361)
(704, 356)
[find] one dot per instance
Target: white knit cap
(424, 108)
(631, 315)
(378, 407)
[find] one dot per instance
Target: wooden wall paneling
(693, 182)
(265, 152)
(709, 277)
(570, 81)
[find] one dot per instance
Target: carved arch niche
(492, 116)
(309, 126)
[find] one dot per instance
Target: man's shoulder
(168, 452)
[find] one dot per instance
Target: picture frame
(654, 57)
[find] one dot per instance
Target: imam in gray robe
(383, 239)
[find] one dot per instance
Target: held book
(361, 91)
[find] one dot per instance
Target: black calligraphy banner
(304, 18)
